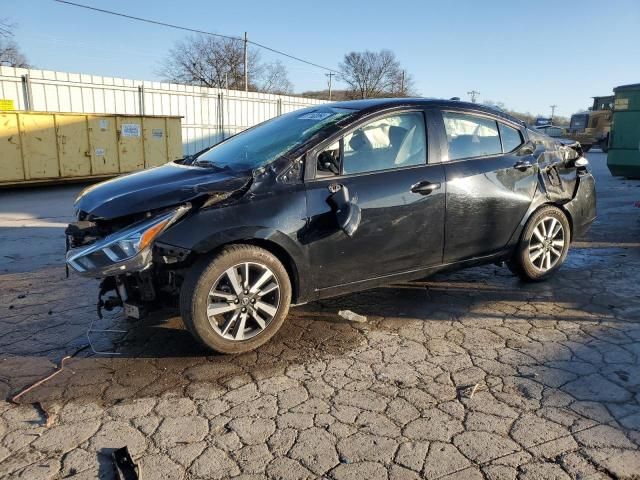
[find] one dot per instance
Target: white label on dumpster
(99, 152)
(104, 124)
(130, 130)
(621, 104)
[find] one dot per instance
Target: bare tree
(275, 79)
(10, 53)
(403, 85)
(374, 74)
(219, 63)
(6, 27)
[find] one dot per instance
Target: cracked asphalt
(465, 375)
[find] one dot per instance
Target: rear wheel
(236, 301)
(543, 246)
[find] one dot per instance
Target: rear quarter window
(511, 138)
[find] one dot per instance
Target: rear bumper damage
(582, 208)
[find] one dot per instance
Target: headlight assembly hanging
(123, 251)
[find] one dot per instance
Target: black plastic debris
(124, 466)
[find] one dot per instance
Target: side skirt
(417, 274)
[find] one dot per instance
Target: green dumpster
(624, 141)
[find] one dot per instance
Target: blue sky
(528, 55)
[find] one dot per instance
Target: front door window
(394, 141)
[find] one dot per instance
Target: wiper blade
(208, 164)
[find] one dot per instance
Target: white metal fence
(209, 114)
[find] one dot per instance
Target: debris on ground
(124, 466)
(469, 391)
(352, 316)
(50, 415)
(473, 391)
(40, 382)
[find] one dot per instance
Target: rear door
(489, 186)
(383, 165)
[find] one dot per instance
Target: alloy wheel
(547, 243)
(243, 301)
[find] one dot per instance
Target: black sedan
(329, 200)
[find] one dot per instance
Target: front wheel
(236, 301)
(543, 246)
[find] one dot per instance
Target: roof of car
(380, 103)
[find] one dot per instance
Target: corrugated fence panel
(209, 114)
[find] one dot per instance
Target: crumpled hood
(155, 188)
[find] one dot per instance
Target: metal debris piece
(40, 382)
(473, 391)
(468, 391)
(124, 466)
(352, 316)
(91, 330)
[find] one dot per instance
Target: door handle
(425, 187)
(523, 165)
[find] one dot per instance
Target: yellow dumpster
(52, 147)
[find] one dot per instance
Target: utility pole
(402, 84)
(330, 77)
(473, 94)
(246, 64)
(553, 110)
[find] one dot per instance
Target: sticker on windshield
(315, 116)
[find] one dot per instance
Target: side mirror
(348, 214)
(528, 148)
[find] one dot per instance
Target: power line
(194, 30)
(473, 94)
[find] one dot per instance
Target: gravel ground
(467, 375)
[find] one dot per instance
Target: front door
(382, 165)
(489, 187)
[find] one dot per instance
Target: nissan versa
(328, 200)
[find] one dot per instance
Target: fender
(579, 206)
(258, 217)
(290, 253)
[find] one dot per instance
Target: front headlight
(125, 250)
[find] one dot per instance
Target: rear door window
(471, 136)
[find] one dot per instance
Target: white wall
(208, 113)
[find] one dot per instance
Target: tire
(604, 145)
(215, 316)
(586, 148)
(538, 255)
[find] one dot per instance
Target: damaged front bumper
(127, 250)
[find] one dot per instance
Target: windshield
(270, 140)
(579, 121)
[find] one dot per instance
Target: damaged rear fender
(579, 206)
